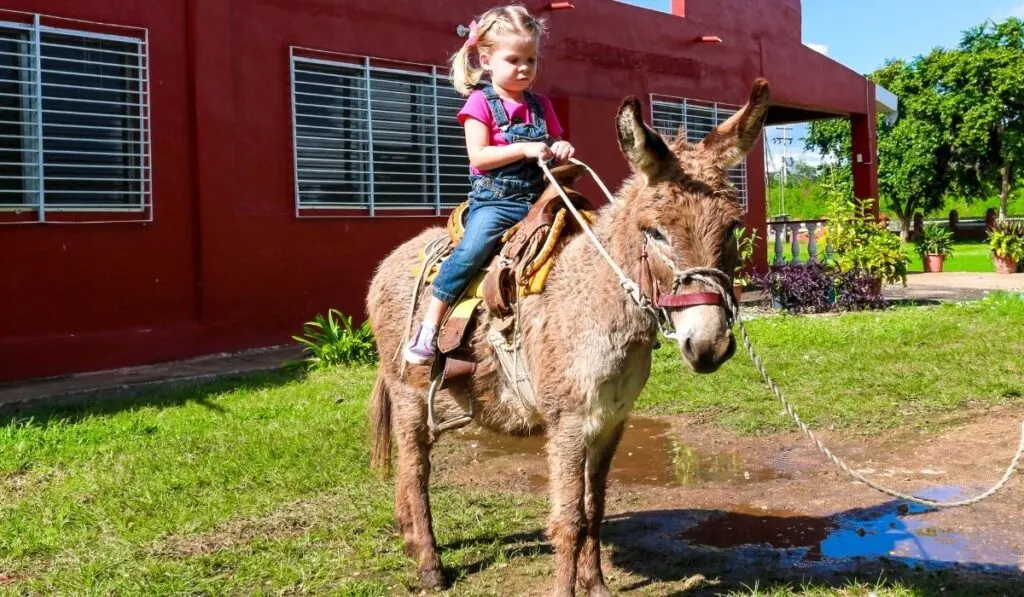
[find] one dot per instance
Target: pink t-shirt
(476, 107)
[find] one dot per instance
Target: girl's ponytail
(464, 73)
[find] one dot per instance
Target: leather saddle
(519, 267)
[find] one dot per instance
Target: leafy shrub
(329, 341)
(745, 242)
(817, 288)
(861, 243)
(935, 240)
(1006, 239)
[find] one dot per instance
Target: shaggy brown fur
(586, 343)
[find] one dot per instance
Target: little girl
(507, 129)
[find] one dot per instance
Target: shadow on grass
(526, 544)
(79, 406)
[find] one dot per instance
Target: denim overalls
(498, 200)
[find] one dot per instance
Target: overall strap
(536, 112)
(497, 109)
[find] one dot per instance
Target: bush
(818, 288)
(745, 245)
(862, 244)
(1006, 239)
(331, 340)
(935, 240)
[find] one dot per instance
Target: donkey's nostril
(688, 351)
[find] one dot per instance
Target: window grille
(375, 135)
(74, 120)
(698, 118)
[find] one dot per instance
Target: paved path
(953, 286)
(130, 379)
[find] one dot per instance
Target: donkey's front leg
(599, 460)
(567, 454)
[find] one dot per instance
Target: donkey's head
(684, 210)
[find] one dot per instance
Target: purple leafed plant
(856, 290)
(817, 288)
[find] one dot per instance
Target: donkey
(586, 342)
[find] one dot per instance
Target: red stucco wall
(226, 265)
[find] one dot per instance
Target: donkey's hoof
(432, 579)
(599, 591)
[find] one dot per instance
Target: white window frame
(422, 133)
(668, 113)
(42, 149)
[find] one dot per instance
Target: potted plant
(934, 245)
(1006, 240)
(741, 275)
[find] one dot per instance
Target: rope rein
(711, 277)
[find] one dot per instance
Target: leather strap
(691, 299)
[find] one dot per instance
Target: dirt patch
(687, 499)
(294, 520)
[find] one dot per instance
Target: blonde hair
(493, 24)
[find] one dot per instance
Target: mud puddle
(648, 455)
(895, 530)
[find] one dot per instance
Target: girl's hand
(536, 150)
(562, 150)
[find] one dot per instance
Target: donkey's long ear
(643, 147)
(730, 141)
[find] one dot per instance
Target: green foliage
(862, 243)
(975, 207)
(745, 242)
(983, 108)
(803, 196)
(1006, 239)
(913, 153)
(960, 127)
(934, 240)
(332, 340)
(831, 138)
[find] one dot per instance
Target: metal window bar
(96, 91)
(371, 137)
(697, 118)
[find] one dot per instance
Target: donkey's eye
(655, 234)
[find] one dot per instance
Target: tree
(983, 109)
(913, 153)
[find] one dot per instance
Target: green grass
(221, 488)
(867, 371)
(263, 486)
(967, 257)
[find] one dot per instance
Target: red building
(190, 176)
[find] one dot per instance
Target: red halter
(677, 301)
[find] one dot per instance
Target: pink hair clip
(473, 37)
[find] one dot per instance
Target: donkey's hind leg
(412, 502)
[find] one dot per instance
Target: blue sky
(865, 33)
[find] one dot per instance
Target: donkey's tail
(380, 426)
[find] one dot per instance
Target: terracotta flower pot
(933, 263)
(1004, 265)
(737, 292)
